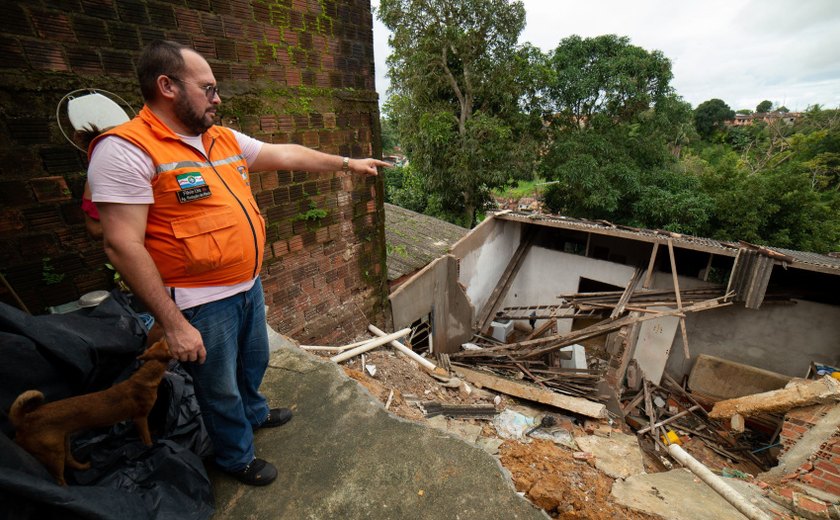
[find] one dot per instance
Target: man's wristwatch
(345, 164)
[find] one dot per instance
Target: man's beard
(194, 121)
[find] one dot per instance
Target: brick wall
(290, 71)
(822, 470)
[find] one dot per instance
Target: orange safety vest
(204, 228)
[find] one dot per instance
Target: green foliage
(710, 115)
(605, 76)
(774, 184)
(313, 215)
(389, 136)
(459, 83)
(616, 137)
(48, 273)
(405, 188)
(398, 249)
(764, 107)
(521, 189)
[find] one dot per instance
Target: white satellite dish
(89, 108)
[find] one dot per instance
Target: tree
(389, 136)
(617, 131)
(710, 115)
(764, 107)
(605, 76)
(457, 97)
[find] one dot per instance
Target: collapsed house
(652, 326)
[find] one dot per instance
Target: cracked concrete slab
(344, 456)
(676, 495)
(618, 455)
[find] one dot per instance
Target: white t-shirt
(120, 172)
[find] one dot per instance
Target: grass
(522, 189)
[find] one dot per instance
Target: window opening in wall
(420, 339)
(595, 347)
(600, 253)
(590, 285)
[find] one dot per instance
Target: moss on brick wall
(290, 71)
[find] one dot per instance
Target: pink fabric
(90, 208)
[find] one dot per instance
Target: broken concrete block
(796, 394)
(678, 495)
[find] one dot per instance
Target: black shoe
(257, 473)
(277, 417)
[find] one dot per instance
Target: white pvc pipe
(715, 482)
(372, 344)
(340, 349)
(405, 350)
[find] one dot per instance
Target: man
(182, 227)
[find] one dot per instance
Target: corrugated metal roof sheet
(801, 259)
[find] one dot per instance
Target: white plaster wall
(779, 338)
(483, 266)
(546, 273)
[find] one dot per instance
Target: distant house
(766, 117)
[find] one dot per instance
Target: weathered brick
(16, 20)
(90, 31)
(11, 52)
(133, 11)
(117, 63)
(211, 25)
(827, 466)
(29, 130)
(206, 46)
(162, 15)
(100, 8)
(50, 189)
(52, 25)
(45, 56)
(11, 220)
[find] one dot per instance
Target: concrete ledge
(344, 456)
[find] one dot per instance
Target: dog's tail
(25, 403)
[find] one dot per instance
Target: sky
(740, 51)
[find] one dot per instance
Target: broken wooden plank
(628, 292)
(532, 393)
(679, 298)
(651, 265)
(668, 420)
(806, 393)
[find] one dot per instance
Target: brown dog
(44, 429)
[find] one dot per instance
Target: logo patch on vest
(244, 173)
(190, 180)
(192, 186)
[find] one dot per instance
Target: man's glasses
(211, 91)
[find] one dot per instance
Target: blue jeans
(227, 383)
